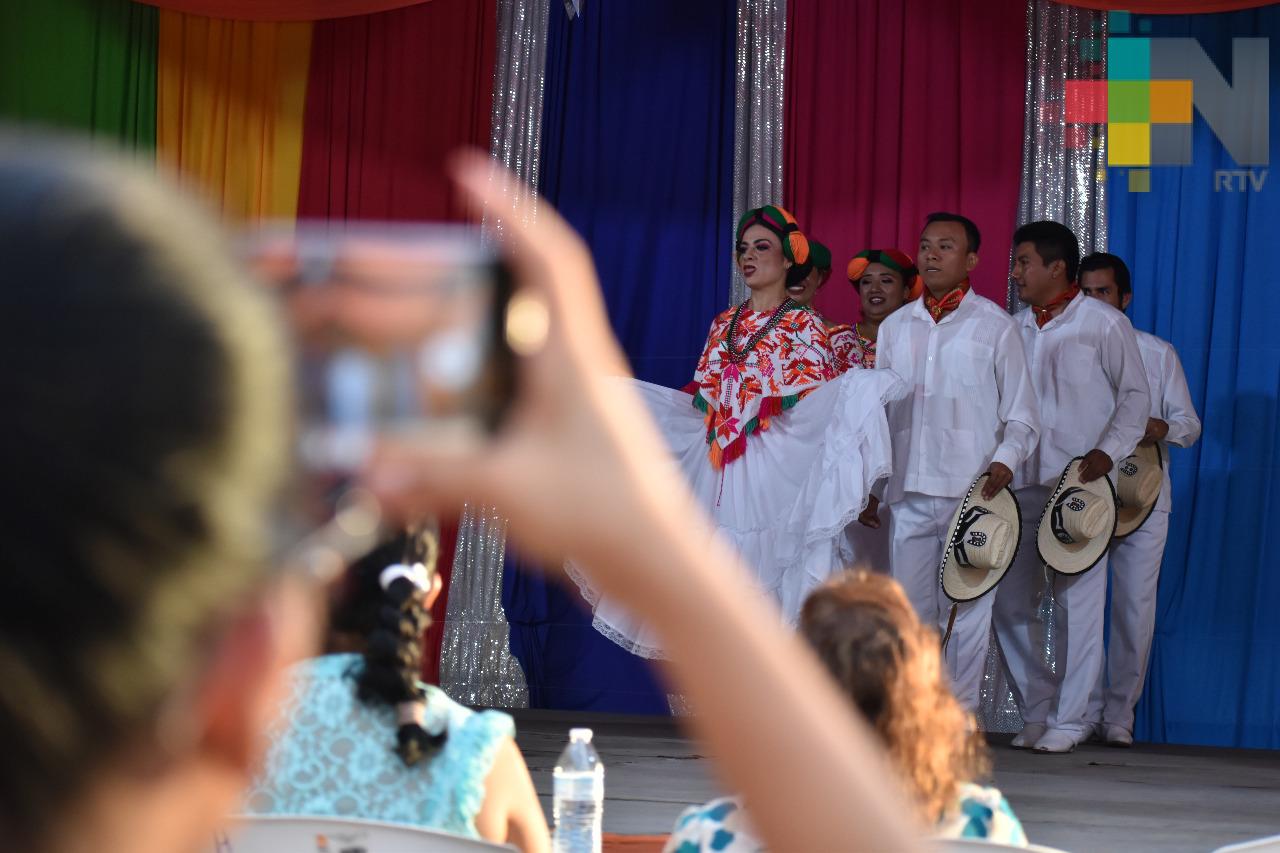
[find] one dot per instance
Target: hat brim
(1129, 520)
(961, 583)
(1081, 557)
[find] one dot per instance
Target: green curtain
(83, 65)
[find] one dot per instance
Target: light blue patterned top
(332, 755)
(722, 826)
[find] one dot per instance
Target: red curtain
(1168, 7)
(389, 96)
(279, 10)
(895, 109)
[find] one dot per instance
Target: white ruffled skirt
(786, 503)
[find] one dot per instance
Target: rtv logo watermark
(1146, 100)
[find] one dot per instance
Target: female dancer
(780, 455)
(886, 279)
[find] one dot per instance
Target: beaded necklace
(736, 356)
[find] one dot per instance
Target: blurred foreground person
(144, 438)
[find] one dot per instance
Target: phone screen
(400, 330)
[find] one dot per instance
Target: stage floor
(1096, 800)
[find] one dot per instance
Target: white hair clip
(416, 574)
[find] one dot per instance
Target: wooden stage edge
(1153, 797)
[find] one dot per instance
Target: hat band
(1068, 500)
(962, 534)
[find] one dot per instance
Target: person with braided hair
(779, 447)
(886, 662)
(363, 736)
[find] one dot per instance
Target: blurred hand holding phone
(403, 330)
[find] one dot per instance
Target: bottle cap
(580, 734)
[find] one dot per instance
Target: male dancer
(972, 409)
(1135, 560)
(1094, 401)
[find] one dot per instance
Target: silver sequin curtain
(1063, 179)
(757, 128)
(1063, 167)
(476, 665)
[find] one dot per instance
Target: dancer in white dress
(781, 450)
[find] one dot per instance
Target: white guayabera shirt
(1091, 383)
(1170, 402)
(972, 401)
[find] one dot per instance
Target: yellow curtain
(230, 103)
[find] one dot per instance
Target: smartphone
(400, 330)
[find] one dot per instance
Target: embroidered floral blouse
(851, 350)
(739, 398)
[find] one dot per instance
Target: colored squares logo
(1086, 102)
(1148, 121)
(1128, 101)
(1129, 144)
(1171, 101)
(1129, 59)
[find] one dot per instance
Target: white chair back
(305, 834)
(971, 845)
(1257, 845)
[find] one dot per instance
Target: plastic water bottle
(579, 796)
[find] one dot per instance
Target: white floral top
(722, 825)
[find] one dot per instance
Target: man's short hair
(971, 232)
(1054, 242)
(1107, 261)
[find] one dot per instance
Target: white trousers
(917, 535)
(1057, 699)
(1135, 573)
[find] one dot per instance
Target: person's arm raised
(580, 470)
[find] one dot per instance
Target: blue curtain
(1206, 279)
(568, 665)
(637, 153)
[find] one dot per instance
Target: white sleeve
(884, 361)
(884, 345)
(1177, 410)
(1122, 363)
(1019, 410)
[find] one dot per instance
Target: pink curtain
(894, 109)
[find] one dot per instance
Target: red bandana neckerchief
(1044, 313)
(939, 308)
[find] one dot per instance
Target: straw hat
(1078, 522)
(982, 543)
(1139, 479)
